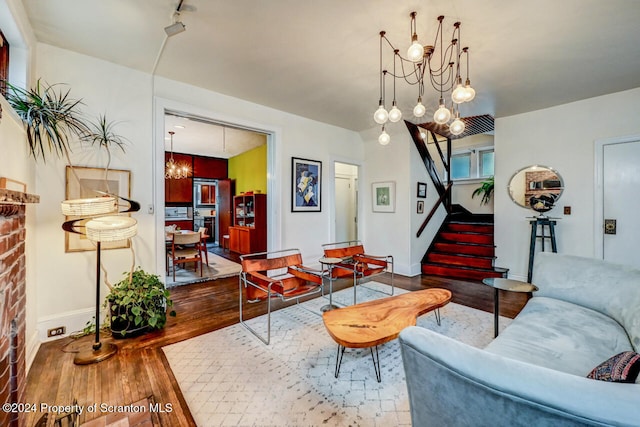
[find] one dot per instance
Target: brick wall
(12, 310)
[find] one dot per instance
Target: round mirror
(536, 187)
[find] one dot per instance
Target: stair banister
(445, 196)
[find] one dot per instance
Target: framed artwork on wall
(422, 190)
(306, 185)
(84, 183)
(383, 196)
(420, 208)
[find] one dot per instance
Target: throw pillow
(623, 367)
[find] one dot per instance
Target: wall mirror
(536, 187)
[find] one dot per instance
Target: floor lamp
(103, 227)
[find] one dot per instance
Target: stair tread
(463, 267)
(449, 242)
(463, 255)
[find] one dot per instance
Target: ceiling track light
(422, 64)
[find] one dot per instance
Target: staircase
(464, 249)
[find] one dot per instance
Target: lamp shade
(111, 228)
(89, 206)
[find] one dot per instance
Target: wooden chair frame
(262, 279)
(182, 256)
(357, 262)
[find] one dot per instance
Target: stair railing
(444, 192)
(446, 195)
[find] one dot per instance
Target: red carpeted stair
(463, 249)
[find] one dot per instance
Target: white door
(346, 202)
(621, 202)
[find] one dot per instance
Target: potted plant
(138, 304)
(485, 190)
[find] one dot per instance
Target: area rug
(217, 268)
(230, 378)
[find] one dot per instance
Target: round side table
(328, 263)
(509, 285)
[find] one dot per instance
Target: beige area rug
(217, 268)
(230, 378)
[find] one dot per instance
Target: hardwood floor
(140, 369)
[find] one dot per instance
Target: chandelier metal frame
(442, 69)
(174, 170)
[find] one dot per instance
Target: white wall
(66, 281)
(563, 138)
(395, 233)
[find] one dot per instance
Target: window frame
(475, 166)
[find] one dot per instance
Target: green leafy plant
(485, 190)
(139, 302)
(51, 118)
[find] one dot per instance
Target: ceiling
(319, 59)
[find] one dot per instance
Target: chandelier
(441, 69)
(173, 170)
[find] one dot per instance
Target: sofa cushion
(562, 336)
(621, 368)
(609, 288)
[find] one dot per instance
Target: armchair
(357, 263)
(277, 274)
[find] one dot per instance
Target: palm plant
(101, 133)
(50, 118)
(485, 189)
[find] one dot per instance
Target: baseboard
(33, 345)
(72, 321)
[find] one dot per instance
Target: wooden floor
(140, 368)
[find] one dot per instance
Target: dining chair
(185, 248)
(203, 243)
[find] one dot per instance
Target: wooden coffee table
(372, 323)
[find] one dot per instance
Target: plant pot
(121, 328)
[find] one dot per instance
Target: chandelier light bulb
(381, 116)
(459, 94)
(419, 110)
(384, 137)
(415, 53)
(442, 114)
(457, 127)
(395, 114)
(469, 91)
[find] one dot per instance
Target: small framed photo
(422, 190)
(420, 208)
(384, 196)
(306, 185)
(83, 183)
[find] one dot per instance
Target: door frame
(598, 199)
(332, 195)
(274, 163)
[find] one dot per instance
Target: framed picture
(420, 206)
(384, 196)
(84, 183)
(306, 185)
(422, 190)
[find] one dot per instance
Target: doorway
(346, 202)
(616, 228)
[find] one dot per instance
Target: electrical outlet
(567, 210)
(54, 332)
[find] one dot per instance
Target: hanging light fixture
(442, 71)
(174, 170)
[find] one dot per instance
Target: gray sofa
(534, 373)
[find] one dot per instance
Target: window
(472, 164)
(461, 166)
(485, 167)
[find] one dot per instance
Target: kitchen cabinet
(249, 233)
(210, 167)
(207, 194)
(178, 191)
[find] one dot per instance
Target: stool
(225, 242)
(541, 222)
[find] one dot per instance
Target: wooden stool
(225, 242)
